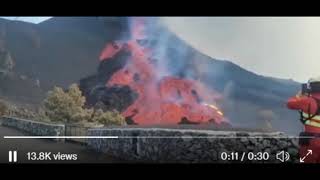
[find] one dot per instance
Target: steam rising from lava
(164, 97)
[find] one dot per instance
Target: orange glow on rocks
(162, 99)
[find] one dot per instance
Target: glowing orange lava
(162, 99)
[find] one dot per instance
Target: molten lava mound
(161, 98)
(172, 101)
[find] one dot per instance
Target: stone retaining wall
(186, 145)
(33, 127)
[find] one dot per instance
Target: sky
(283, 47)
(27, 18)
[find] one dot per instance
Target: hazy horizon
(281, 47)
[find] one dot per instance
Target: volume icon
(283, 156)
(13, 156)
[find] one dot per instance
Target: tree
(68, 106)
(3, 108)
(6, 62)
(65, 106)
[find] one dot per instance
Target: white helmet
(314, 79)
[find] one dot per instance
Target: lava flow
(162, 99)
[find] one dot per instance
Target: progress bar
(151, 137)
(60, 137)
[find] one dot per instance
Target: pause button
(13, 156)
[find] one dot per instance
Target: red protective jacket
(303, 103)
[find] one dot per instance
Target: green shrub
(41, 115)
(3, 108)
(109, 117)
(65, 106)
(6, 62)
(22, 112)
(68, 106)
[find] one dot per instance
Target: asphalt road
(49, 147)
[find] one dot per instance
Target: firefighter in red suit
(308, 104)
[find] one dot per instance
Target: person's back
(308, 105)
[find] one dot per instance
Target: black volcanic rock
(95, 90)
(56, 56)
(119, 98)
(109, 66)
(106, 98)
